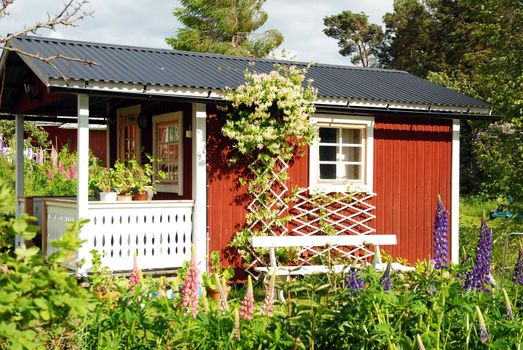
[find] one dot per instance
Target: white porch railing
(160, 232)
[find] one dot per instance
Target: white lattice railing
(310, 214)
(160, 232)
(59, 213)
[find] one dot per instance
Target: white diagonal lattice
(307, 213)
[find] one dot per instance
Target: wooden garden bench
(273, 242)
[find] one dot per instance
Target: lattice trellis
(313, 214)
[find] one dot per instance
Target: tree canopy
(225, 27)
(356, 37)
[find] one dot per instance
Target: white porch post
(19, 162)
(199, 182)
(82, 194)
(454, 217)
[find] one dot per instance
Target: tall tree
(356, 37)
(225, 27)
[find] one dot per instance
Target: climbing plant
(268, 120)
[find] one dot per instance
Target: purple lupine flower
(440, 235)
(517, 277)
(431, 290)
(483, 332)
(353, 283)
(385, 279)
(479, 278)
(191, 287)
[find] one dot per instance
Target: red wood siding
(412, 165)
(412, 161)
(97, 140)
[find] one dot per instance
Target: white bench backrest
(318, 241)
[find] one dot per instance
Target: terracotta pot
(140, 197)
(124, 198)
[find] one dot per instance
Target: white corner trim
(19, 162)
(338, 120)
(454, 215)
(199, 183)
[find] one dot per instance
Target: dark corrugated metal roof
(126, 64)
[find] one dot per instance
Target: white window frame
(162, 119)
(339, 121)
(126, 113)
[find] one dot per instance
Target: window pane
(351, 154)
(351, 136)
(328, 171)
(328, 153)
(352, 172)
(328, 135)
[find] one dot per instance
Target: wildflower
(353, 283)
(517, 278)
(483, 333)
(509, 315)
(420, 342)
(50, 174)
(191, 287)
(54, 157)
(236, 324)
(268, 302)
(440, 236)
(61, 168)
(134, 278)
(479, 278)
(431, 290)
(220, 284)
(247, 307)
(385, 279)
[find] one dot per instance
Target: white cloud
(148, 23)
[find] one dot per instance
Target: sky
(148, 22)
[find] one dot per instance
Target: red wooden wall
(412, 162)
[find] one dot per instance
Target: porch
(160, 232)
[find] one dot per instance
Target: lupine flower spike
(509, 315)
(247, 307)
(440, 235)
(134, 278)
(483, 333)
(191, 287)
(353, 283)
(517, 277)
(236, 324)
(479, 278)
(221, 292)
(385, 279)
(420, 342)
(268, 302)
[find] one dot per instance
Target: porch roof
(159, 72)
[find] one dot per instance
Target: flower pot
(124, 198)
(140, 197)
(108, 196)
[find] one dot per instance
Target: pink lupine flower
(191, 287)
(50, 174)
(222, 293)
(134, 278)
(61, 168)
(40, 157)
(268, 302)
(71, 173)
(247, 307)
(54, 157)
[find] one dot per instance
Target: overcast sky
(149, 22)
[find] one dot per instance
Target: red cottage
(386, 131)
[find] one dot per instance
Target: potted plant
(142, 179)
(123, 181)
(102, 181)
(209, 278)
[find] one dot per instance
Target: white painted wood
(312, 269)
(199, 183)
(326, 120)
(454, 216)
(82, 193)
(19, 161)
(160, 232)
(305, 241)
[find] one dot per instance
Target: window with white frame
(342, 155)
(168, 151)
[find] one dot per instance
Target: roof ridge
(205, 54)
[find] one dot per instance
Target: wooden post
(19, 162)
(82, 195)
(199, 183)
(454, 215)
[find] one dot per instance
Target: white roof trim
(204, 93)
